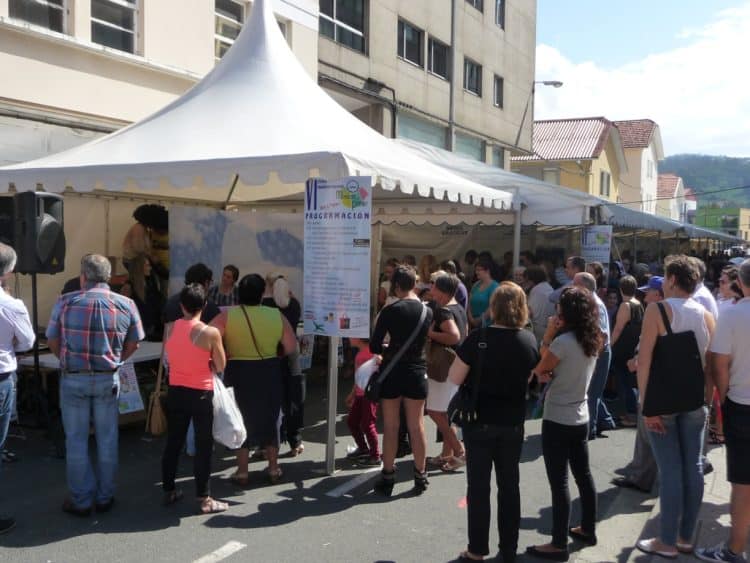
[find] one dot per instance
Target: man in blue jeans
(92, 332)
(599, 417)
(16, 333)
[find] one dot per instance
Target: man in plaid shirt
(92, 332)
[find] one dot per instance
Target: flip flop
(437, 461)
(212, 506)
(453, 464)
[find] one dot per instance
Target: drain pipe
(452, 85)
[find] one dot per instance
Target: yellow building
(585, 154)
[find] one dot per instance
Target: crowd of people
(560, 334)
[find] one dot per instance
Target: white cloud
(699, 94)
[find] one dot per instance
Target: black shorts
(737, 437)
(410, 382)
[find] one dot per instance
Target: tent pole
(333, 395)
(231, 191)
(517, 229)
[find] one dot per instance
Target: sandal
(274, 476)
(437, 461)
(212, 506)
(453, 464)
(294, 452)
(171, 497)
(715, 438)
(239, 479)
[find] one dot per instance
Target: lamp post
(553, 83)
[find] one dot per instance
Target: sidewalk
(713, 520)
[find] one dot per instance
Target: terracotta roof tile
(635, 133)
(568, 139)
(667, 185)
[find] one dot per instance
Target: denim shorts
(737, 437)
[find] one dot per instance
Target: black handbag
(463, 409)
(676, 382)
(375, 383)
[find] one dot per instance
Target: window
(604, 183)
(472, 147)
(497, 95)
(113, 24)
(500, 13)
(228, 18)
(472, 77)
(437, 60)
(344, 22)
(551, 175)
(498, 157)
(428, 132)
(410, 41)
(650, 169)
(478, 4)
(44, 13)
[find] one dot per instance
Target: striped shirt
(222, 300)
(92, 326)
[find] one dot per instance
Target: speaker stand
(35, 323)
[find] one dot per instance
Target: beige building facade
(456, 74)
(75, 69)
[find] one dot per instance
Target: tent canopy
(259, 116)
(545, 203)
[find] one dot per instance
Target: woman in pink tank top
(195, 351)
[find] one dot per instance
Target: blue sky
(678, 62)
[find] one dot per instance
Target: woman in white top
(676, 439)
(540, 307)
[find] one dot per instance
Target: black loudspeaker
(7, 220)
(39, 238)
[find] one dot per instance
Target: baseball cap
(654, 282)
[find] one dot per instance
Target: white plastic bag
(364, 373)
(228, 429)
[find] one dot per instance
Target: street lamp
(553, 83)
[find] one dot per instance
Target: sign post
(337, 273)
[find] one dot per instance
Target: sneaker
(358, 453)
(719, 553)
(6, 525)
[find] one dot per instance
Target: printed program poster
(337, 257)
(130, 395)
(596, 244)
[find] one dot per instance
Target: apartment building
(457, 74)
(77, 69)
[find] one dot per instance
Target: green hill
(704, 173)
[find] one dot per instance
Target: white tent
(255, 128)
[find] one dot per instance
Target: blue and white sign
(336, 269)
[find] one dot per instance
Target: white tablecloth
(146, 351)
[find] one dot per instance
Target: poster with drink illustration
(130, 399)
(596, 244)
(337, 257)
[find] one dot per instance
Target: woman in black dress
(407, 381)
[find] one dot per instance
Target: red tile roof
(667, 185)
(568, 139)
(635, 133)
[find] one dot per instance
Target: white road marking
(344, 488)
(223, 552)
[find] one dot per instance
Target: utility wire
(723, 190)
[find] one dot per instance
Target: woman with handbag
(195, 353)
(570, 348)
(625, 334)
(402, 376)
(447, 332)
(495, 363)
(253, 335)
(673, 382)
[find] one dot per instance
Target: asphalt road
(295, 520)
